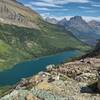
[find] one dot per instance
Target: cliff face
(12, 12)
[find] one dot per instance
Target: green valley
(18, 44)
(24, 35)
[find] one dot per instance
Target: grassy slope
(95, 52)
(19, 44)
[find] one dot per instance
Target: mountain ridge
(33, 38)
(12, 12)
(83, 31)
(88, 32)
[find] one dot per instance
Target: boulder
(30, 97)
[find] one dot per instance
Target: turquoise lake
(32, 67)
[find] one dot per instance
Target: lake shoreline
(22, 70)
(37, 58)
(57, 79)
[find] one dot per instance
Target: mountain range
(25, 35)
(87, 32)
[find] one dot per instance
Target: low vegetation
(19, 43)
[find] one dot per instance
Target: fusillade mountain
(25, 35)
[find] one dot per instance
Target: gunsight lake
(32, 67)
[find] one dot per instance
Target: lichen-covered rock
(30, 96)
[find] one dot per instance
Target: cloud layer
(61, 8)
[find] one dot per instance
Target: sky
(88, 9)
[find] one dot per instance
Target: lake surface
(32, 67)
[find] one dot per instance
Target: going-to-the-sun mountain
(25, 35)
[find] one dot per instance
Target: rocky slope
(63, 22)
(13, 12)
(70, 81)
(95, 25)
(25, 35)
(75, 80)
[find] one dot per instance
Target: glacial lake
(32, 67)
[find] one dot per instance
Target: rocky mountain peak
(76, 20)
(63, 22)
(64, 19)
(77, 17)
(80, 24)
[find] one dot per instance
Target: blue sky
(89, 9)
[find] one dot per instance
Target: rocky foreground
(76, 80)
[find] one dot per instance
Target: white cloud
(56, 17)
(65, 1)
(41, 6)
(54, 3)
(44, 15)
(63, 9)
(96, 5)
(37, 8)
(90, 11)
(89, 18)
(44, 4)
(42, 9)
(28, 5)
(85, 8)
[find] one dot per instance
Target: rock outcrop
(12, 12)
(77, 81)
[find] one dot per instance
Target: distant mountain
(25, 35)
(63, 22)
(86, 32)
(79, 24)
(51, 20)
(82, 30)
(95, 25)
